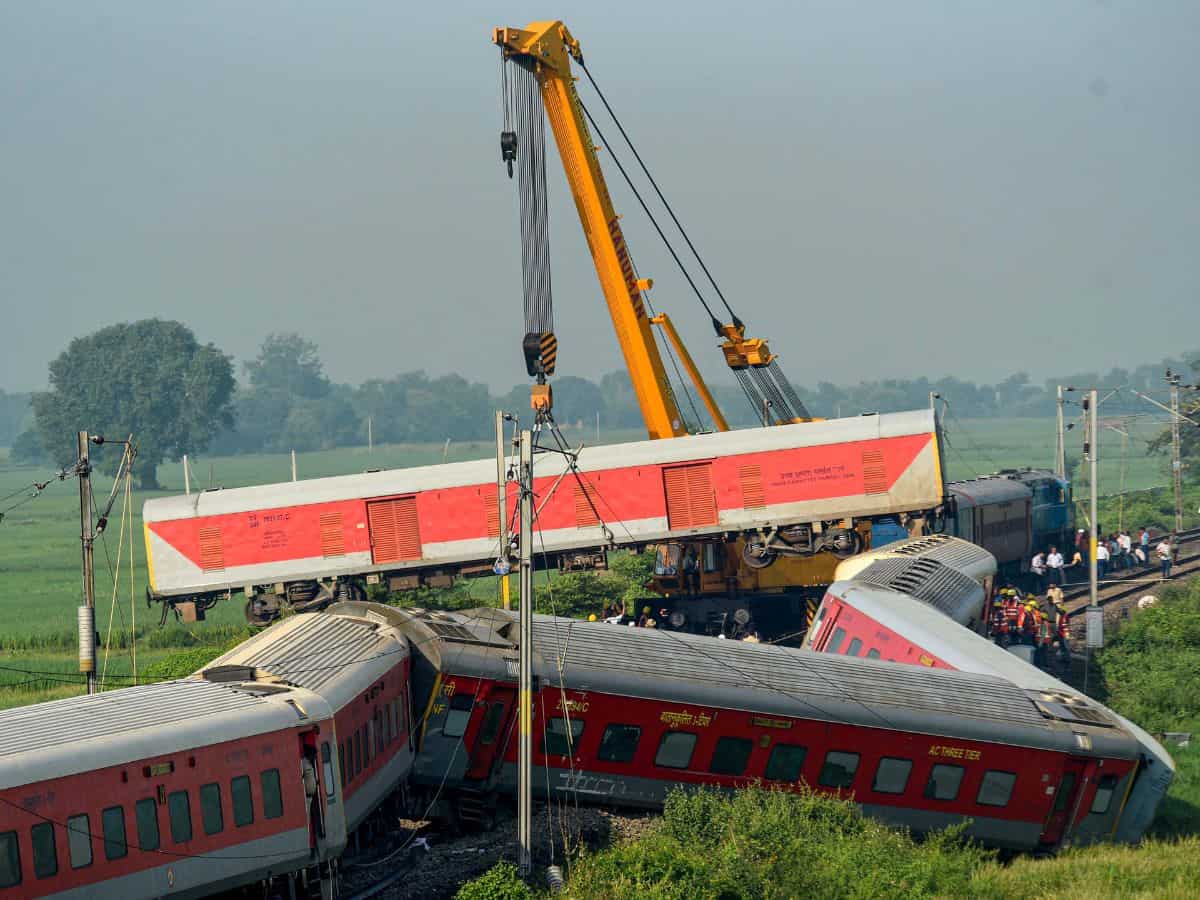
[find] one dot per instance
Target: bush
(183, 663)
(27, 448)
(500, 882)
(1151, 666)
(770, 843)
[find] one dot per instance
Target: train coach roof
(679, 667)
(930, 581)
(989, 489)
(611, 456)
(79, 734)
(333, 655)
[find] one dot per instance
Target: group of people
(1117, 552)
(1043, 624)
(616, 614)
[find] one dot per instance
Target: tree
(27, 448)
(289, 364)
(151, 378)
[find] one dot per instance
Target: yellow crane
(542, 53)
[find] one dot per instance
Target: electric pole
(1060, 449)
(502, 511)
(1173, 380)
(525, 688)
(87, 612)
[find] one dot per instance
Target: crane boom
(545, 49)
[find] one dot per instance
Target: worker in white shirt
(1164, 551)
(1054, 564)
(1102, 556)
(1037, 566)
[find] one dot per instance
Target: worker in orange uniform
(1045, 637)
(1062, 629)
(1012, 613)
(998, 623)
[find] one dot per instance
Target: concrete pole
(293, 465)
(1176, 456)
(502, 504)
(87, 612)
(187, 478)
(1093, 452)
(1060, 449)
(525, 688)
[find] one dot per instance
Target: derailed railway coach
(798, 489)
(913, 625)
(179, 789)
(622, 715)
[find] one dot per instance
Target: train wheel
(843, 542)
(757, 556)
(262, 609)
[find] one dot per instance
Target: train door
(491, 735)
(309, 771)
(1066, 800)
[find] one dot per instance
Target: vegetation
(151, 378)
(286, 402)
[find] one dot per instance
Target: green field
(39, 541)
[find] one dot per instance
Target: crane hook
(508, 149)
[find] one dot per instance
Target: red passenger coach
(323, 537)
(360, 665)
(621, 715)
(178, 789)
(863, 617)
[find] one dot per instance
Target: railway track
(1119, 592)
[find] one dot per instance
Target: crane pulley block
(541, 352)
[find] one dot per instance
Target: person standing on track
(1055, 595)
(1054, 564)
(1037, 566)
(1102, 556)
(1144, 541)
(1164, 553)
(1126, 543)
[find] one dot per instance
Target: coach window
(358, 755)
(786, 762)
(675, 750)
(944, 782)
(996, 788)
(210, 808)
(730, 756)
(1104, 794)
(327, 769)
(45, 853)
(112, 823)
(458, 715)
(10, 860)
(79, 841)
(561, 736)
(243, 801)
(491, 722)
(146, 813)
(838, 769)
(271, 794)
(179, 810)
(855, 647)
(872, 653)
(342, 762)
(891, 776)
(835, 642)
(619, 743)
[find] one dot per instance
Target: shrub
(771, 843)
(500, 882)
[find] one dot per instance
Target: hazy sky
(882, 188)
